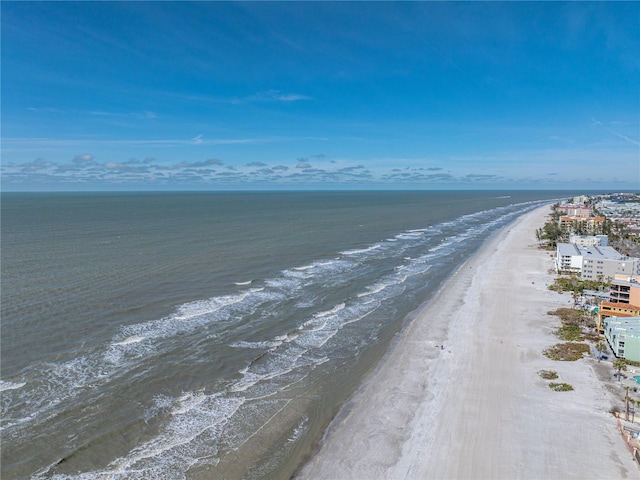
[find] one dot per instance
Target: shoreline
(459, 396)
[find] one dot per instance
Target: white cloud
(291, 97)
(37, 165)
(83, 159)
(273, 96)
(504, 170)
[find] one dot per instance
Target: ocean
(210, 335)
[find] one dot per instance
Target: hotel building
(594, 262)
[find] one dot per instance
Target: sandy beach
(459, 395)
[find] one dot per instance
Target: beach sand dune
(459, 395)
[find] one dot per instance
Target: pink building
(576, 210)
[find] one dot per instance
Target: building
(610, 309)
(590, 240)
(603, 263)
(625, 289)
(568, 258)
(590, 225)
(632, 226)
(623, 336)
(576, 210)
(596, 296)
(594, 262)
(580, 200)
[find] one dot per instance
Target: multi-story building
(580, 200)
(568, 258)
(625, 289)
(594, 262)
(620, 310)
(590, 225)
(590, 240)
(603, 263)
(623, 336)
(576, 210)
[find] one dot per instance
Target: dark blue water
(210, 335)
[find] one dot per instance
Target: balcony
(619, 297)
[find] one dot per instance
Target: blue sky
(358, 95)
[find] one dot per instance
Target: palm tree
(620, 365)
(601, 347)
(576, 293)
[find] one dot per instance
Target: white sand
(478, 409)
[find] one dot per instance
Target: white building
(580, 200)
(568, 258)
(590, 240)
(594, 262)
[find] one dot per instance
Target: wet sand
(477, 408)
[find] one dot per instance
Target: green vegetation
(620, 365)
(601, 346)
(567, 352)
(573, 321)
(626, 362)
(548, 374)
(573, 284)
(560, 387)
(570, 333)
(572, 316)
(551, 234)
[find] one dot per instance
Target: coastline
(477, 408)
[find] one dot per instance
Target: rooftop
(592, 252)
(629, 326)
(630, 280)
(625, 306)
(581, 219)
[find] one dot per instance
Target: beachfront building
(576, 210)
(593, 262)
(568, 258)
(591, 225)
(625, 289)
(603, 263)
(620, 310)
(590, 240)
(623, 336)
